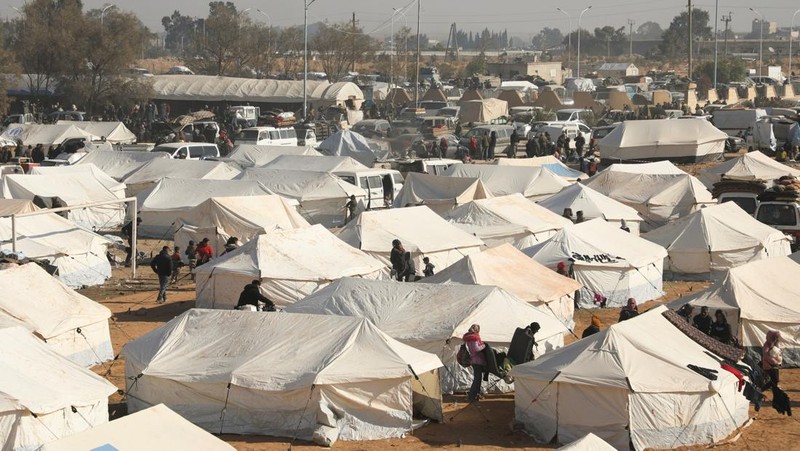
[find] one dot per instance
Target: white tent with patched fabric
(119, 164)
(440, 194)
(251, 155)
(535, 183)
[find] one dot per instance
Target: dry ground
(487, 426)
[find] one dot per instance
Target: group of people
(716, 327)
(482, 147)
(403, 267)
(167, 265)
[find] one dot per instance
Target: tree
(223, 46)
(729, 69)
(179, 31)
(289, 44)
(339, 45)
(547, 38)
(476, 66)
(649, 31)
(674, 42)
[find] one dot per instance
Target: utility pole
(419, 50)
(354, 43)
(630, 33)
(690, 36)
(716, 40)
(727, 19)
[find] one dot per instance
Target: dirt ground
(487, 425)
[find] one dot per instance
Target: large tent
(114, 132)
(507, 219)
(251, 155)
(45, 134)
(321, 196)
(607, 261)
(750, 166)
(548, 162)
(660, 192)
(75, 255)
(532, 182)
(86, 170)
(630, 383)
(422, 232)
(483, 110)
(314, 163)
(347, 143)
(73, 188)
(715, 239)
(579, 197)
(151, 173)
(291, 264)
(338, 93)
(210, 88)
(688, 141)
(161, 206)
(44, 396)
(243, 217)
(70, 323)
(757, 297)
(589, 442)
(512, 97)
(265, 373)
(433, 318)
(508, 268)
(440, 194)
(10, 207)
(434, 95)
(154, 428)
(398, 96)
(119, 164)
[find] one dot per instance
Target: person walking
(204, 252)
(485, 146)
(512, 150)
(772, 358)
(478, 361)
(127, 232)
(177, 262)
(191, 255)
(161, 264)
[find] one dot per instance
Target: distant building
(618, 70)
(770, 27)
(550, 71)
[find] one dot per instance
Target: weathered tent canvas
(483, 110)
(291, 264)
(347, 143)
(89, 170)
(271, 377)
(688, 141)
(312, 163)
(119, 164)
(251, 155)
(45, 134)
(532, 182)
(440, 194)
(151, 173)
(750, 166)
(10, 207)
(114, 132)
(579, 197)
(589, 442)
(548, 162)
(629, 383)
(209, 88)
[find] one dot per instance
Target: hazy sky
(522, 18)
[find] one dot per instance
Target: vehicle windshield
(166, 149)
(563, 115)
(747, 204)
(777, 214)
(249, 135)
(601, 133)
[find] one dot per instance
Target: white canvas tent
(422, 232)
(38, 390)
(757, 297)
(715, 239)
(589, 442)
(532, 182)
(508, 268)
(9, 207)
(440, 194)
(579, 197)
(56, 313)
(75, 187)
(321, 196)
(313, 163)
(87, 170)
(45, 134)
(251, 155)
(433, 318)
(607, 260)
(113, 132)
(243, 217)
(347, 143)
(686, 141)
(152, 172)
(291, 264)
(629, 383)
(483, 110)
(266, 374)
(154, 428)
(548, 162)
(76, 255)
(161, 206)
(660, 192)
(210, 88)
(119, 164)
(750, 166)
(507, 219)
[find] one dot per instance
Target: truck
(779, 207)
(249, 113)
(737, 122)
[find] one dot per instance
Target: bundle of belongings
(738, 186)
(520, 351)
(786, 188)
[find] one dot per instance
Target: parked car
(268, 136)
(189, 151)
(373, 128)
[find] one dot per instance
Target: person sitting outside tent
(720, 329)
(478, 361)
(686, 312)
(561, 269)
(624, 226)
(191, 255)
(204, 252)
(593, 328)
(161, 264)
(772, 358)
(251, 295)
(567, 214)
(702, 321)
(231, 245)
(177, 263)
(631, 310)
(350, 209)
(428, 271)
(579, 217)
(127, 232)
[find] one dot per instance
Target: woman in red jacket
(475, 346)
(204, 252)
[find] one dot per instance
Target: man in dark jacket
(251, 295)
(398, 260)
(127, 232)
(161, 264)
(703, 320)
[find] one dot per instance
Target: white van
(268, 136)
(189, 151)
(373, 181)
(572, 115)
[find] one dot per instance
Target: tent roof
(52, 309)
(548, 162)
(502, 180)
(505, 215)
(433, 189)
(86, 170)
(517, 85)
(750, 166)
(35, 378)
(660, 133)
(45, 134)
(646, 354)
(511, 97)
(9, 207)
(115, 132)
(160, 168)
(310, 163)
(309, 253)
(434, 95)
(155, 428)
(348, 143)
(508, 268)
(234, 213)
(605, 245)
(337, 92)
(483, 110)
(249, 155)
(73, 187)
(119, 164)
(424, 312)
(218, 346)
(716, 228)
(302, 186)
(209, 88)
(471, 94)
(580, 197)
(398, 96)
(49, 235)
(589, 442)
(172, 193)
(418, 228)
